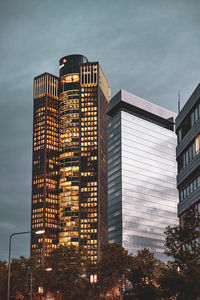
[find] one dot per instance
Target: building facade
(83, 97)
(44, 214)
(142, 194)
(187, 153)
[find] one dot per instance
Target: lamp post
(9, 259)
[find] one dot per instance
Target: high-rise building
(142, 194)
(81, 181)
(45, 165)
(187, 152)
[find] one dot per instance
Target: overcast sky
(148, 47)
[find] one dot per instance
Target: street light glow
(39, 231)
(49, 269)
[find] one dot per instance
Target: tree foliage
(113, 267)
(68, 273)
(143, 275)
(3, 280)
(181, 276)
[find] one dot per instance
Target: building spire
(179, 101)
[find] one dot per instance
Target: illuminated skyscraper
(45, 165)
(82, 194)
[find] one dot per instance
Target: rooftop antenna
(179, 101)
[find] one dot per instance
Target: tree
(182, 275)
(21, 269)
(143, 276)
(112, 268)
(68, 273)
(3, 280)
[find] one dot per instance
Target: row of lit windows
(51, 109)
(51, 148)
(37, 201)
(88, 134)
(40, 109)
(69, 135)
(89, 143)
(91, 188)
(38, 131)
(68, 106)
(50, 180)
(87, 173)
(40, 115)
(89, 148)
(37, 195)
(88, 138)
(67, 154)
(38, 124)
(87, 89)
(52, 130)
(40, 225)
(54, 124)
(88, 204)
(55, 133)
(38, 180)
(37, 216)
(68, 233)
(53, 119)
(51, 200)
(38, 148)
(91, 129)
(87, 103)
(71, 115)
(51, 186)
(37, 220)
(38, 210)
(88, 109)
(39, 144)
(68, 101)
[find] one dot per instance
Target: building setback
(187, 153)
(142, 194)
(81, 182)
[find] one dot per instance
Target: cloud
(149, 48)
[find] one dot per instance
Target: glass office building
(142, 194)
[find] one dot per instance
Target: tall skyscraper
(142, 194)
(45, 165)
(188, 148)
(81, 182)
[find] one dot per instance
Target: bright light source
(93, 278)
(39, 231)
(40, 290)
(49, 269)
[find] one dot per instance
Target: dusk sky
(150, 48)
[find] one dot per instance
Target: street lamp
(9, 259)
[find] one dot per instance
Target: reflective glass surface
(142, 170)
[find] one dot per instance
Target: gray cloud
(150, 48)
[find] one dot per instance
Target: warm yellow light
(39, 231)
(93, 278)
(49, 269)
